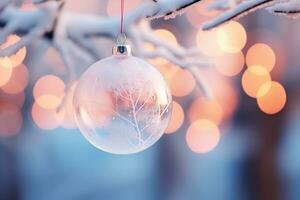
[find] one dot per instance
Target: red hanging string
(122, 16)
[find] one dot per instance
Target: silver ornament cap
(120, 49)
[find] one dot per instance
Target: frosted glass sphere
(122, 104)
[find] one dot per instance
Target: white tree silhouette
(143, 110)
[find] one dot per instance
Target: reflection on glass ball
(122, 105)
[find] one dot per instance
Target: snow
(238, 11)
(289, 9)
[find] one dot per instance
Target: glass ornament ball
(122, 104)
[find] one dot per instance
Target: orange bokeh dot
(16, 99)
(113, 7)
(261, 54)
(230, 64)
(49, 91)
(19, 57)
(177, 118)
(5, 74)
(272, 101)
(253, 78)
(232, 37)
(166, 36)
(202, 136)
(207, 43)
(206, 108)
(46, 119)
(18, 81)
(5, 62)
(180, 81)
(183, 83)
(11, 120)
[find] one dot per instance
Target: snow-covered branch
(231, 9)
(289, 9)
(73, 34)
(244, 8)
(31, 24)
(171, 8)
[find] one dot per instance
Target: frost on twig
(240, 10)
(289, 9)
(73, 33)
(223, 5)
(232, 9)
(171, 8)
(31, 24)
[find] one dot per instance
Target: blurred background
(250, 151)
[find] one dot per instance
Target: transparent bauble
(122, 104)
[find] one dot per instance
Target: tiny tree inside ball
(122, 104)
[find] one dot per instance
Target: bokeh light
(202, 136)
(281, 50)
(231, 37)
(46, 119)
(19, 57)
(261, 54)
(11, 120)
(272, 97)
(207, 43)
(177, 118)
(49, 91)
(18, 80)
(5, 62)
(230, 64)
(16, 99)
(203, 108)
(180, 81)
(5, 74)
(253, 78)
(166, 36)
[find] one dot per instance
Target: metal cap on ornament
(121, 48)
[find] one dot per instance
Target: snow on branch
(73, 34)
(171, 8)
(223, 5)
(289, 9)
(238, 11)
(232, 9)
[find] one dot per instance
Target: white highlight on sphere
(122, 105)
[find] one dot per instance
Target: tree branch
(238, 11)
